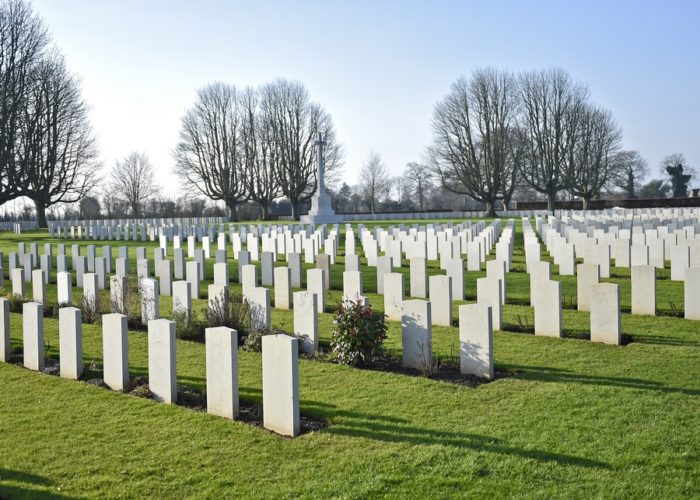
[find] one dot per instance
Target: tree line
(497, 136)
(47, 147)
(496, 132)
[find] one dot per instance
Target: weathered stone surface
(294, 262)
(221, 276)
(316, 283)
(249, 279)
(605, 314)
(454, 268)
(33, 335)
(498, 269)
(150, 300)
(680, 261)
(488, 293)
(38, 287)
(193, 278)
(548, 309)
(539, 271)
(222, 371)
(182, 298)
(383, 267)
(17, 278)
(70, 335)
(267, 269)
(115, 351)
(691, 292)
(352, 262)
(440, 299)
(476, 340)
(393, 295)
(162, 373)
(306, 320)
(416, 334)
(643, 290)
(586, 276)
(259, 303)
(283, 289)
(418, 277)
(280, 382)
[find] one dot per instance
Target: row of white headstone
(279, 361)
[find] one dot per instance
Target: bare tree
(133, 179)
(680, 173)
(208, 155)
(260, 156)
(421, 178)
(374, 181)
(56, 150)
(23, 42)
(598, 141)
(471, 129)
(294, 123)
(552, 105)
(629, 170)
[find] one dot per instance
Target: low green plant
(253, 341)
(232, 313)
(17, 302)
(188, 326)
(358, 335)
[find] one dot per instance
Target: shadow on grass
(29, 491)
(642, 338)
(546, 374)
(396, 430)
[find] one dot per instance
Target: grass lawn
(569, 418)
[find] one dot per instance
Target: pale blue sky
(377, 67)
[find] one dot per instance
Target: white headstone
(306, 320)
(283, 289)
(691, 293)
(441, 299)
(115, 351)
(393, 295)
(70, 334)
(586, 276)
(33, 335)
(476, 340)
(548, 308)
(605, 313)
(488, 293)
(280, 382)
(222, 371)
(416, 334)
(643, 290)
(162, 374)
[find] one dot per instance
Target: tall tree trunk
(295, 210)
(231, 209)
(40, 213)
(491, 208)
(265, 211)
(585, 201)
(551, 201)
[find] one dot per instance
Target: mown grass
(574, 419)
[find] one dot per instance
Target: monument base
(321, 218)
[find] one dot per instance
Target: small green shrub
(188, 327)
(233, 313)
(359, 334)
(16, 303)
(253, 341)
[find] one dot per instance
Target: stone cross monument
(321, 211)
